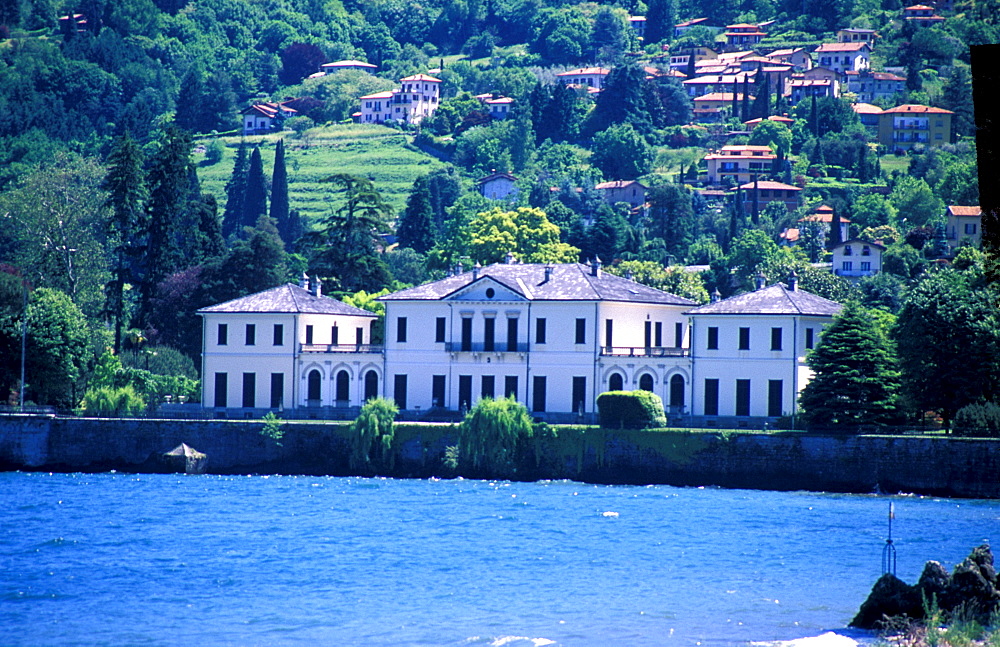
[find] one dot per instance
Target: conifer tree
(745, 110)
(415, 228)
(167, 209)
(661, 16)
(835, 237)
(280, 213)
(235, 190)
(762, 96)
(255, 196)
(856, 381)
(125, 184)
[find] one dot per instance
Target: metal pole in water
(889, 551)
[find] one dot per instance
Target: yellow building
(902, 127)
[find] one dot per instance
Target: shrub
(630, 410)
(273, 428)
(373, 434)
(491, 437)
(978, 420)
(108, 401)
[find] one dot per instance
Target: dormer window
(848, 251)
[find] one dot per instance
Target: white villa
(417, 97)
(553, 336)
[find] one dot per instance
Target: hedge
(630, 410)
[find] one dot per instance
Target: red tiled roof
(767, 185)
(957, 210)
(421, 77)
(841, 47)
(914, 108)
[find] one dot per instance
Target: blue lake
(124, 559)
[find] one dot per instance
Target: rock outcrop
(972, 586)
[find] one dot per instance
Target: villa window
(581, 331)
(847, 266)
(866, 266)
(775, 338)
(744, 339)
(970, 229)
(809, 338)
(251, 334)
(223, 337)
(279, 334)
(713, 338)
(439, 329)
(540, 331)
(401, 329)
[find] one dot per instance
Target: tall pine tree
(236, 189)
(255, 196)
(661, 16)
(280, 213)
(856, 381)
(125, 184)
(415, 229)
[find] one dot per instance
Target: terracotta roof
(878, 76)
(866, 109)
(421, 77)
(862, 242)
(287, 299)
(791, 234)
(913, 108)
(824, 217)
(379, 95)
(767, 185)
(496, 176)
(568, 282)
(777, 118)
(919, 7)
(956, 210)
(691, 23)
(774, 300)
(337, 64)
(719, 96)
(841, 47)
(586, 70)
(617, 184)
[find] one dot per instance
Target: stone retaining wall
(956, 467)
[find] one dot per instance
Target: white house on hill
(287, 348)
(552, 336)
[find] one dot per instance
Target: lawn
(379, 153)
(892, 163)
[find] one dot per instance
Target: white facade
(417, 97)
(553, 336)
(748, 353)
(287, 348)
(856, 258)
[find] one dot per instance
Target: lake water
(124, 559)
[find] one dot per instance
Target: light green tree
(915, 202)
(57, 347)
(526, 232)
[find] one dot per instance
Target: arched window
(677, 393)
(343, 388)
(646, 382)
(371, 385)
(615, 382)
(314, 386)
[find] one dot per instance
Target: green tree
(374, 430)
(127, 194)
(661, 16)
(236, 188)
(56, 349)
(915, 202)
(625, 98)
(416, 228)
(671, 217)
(288, 223)
(526, 232)
(255, 195)
(948, 335)
(855, 380)
(344, 249)
(774, 134)
(612, 36)
(956, 95)
(621, 153)
(492, 436)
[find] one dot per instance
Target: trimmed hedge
(630, 410)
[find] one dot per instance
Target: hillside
(384, 155)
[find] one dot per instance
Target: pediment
(485, 289)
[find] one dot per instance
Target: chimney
(760, 281)
(595, 266)
(475, 270)
(509, 259)
(304, 281)
(548, 273)
(628, 274)
(793, 281)
(316, 287)
(716, 296)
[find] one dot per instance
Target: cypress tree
(255, 196)
(279, 196)
(856, 381)
(125, 184)
(814, 117)
(762, 99)
(755, 214)
(835, 237)
(235, 190)
(745, 116)
(660, 19)
(736, 95)
(415, 228)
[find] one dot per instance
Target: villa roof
(420, 77)
(963, 211)
(567, 282)
(862, 242)
(348, 64)
(586, 70)
(773, 300)
(842, 47)
(866, 109)
(768, 185)
(617, 184)
(287, 299)
(913, 108)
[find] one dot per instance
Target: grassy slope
(376, 152)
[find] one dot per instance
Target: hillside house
(824, 216)
(903, 127)
(631, 191)
(797, 57)
(714, 106)
(766, 192)
(265, 117)
(743, 36)
(337, 66)
(871, 86)
(802, 89)
(499, 107)
(638, 25)
(844, 57)
(857, 258)
(707, 23)
(498, 186)
(417, 97)
(738, 163)
(868, 114)
(964, 225)
(857, 35)
(589, 78)
(288, 348)
(921, 15)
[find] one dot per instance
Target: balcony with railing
(484, 347)
(643, 351)
(342, 348)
